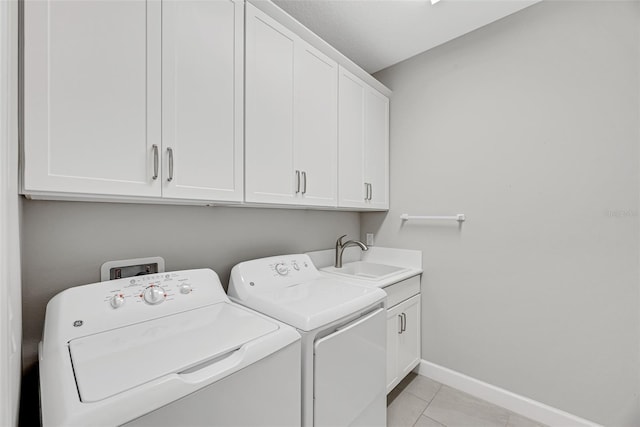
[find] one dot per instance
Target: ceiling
(376, 34)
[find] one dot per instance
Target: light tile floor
(421, 402)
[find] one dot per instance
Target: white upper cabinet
(363, 144)
(202, 90)
(290, 119)
(352, 190)
(92, 97)
(316, 126)
(269, 171)
(134, 98)
(376, 153)
(196, 101)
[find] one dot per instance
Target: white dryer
(343, 327)
(165, 350)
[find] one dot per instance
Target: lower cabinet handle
(404, 322)
(370, 191)
(156, 161)
(400, 316)
(170, 151)
(366, 191)
(304, 186)
(297, 181)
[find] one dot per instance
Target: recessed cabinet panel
(269, 172)
(202, 99)
(92, 96)
(316, 126)
(351, 185)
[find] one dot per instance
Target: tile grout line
(428, 404)
(432, 399)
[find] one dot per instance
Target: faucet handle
(339, 241)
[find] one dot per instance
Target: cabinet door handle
(156, 161)
(404, 322)
(370, 191)
(170, 151)
(297, 181)
(400, 317)
(304, 186)
(366, 191)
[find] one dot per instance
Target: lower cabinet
(403, 337)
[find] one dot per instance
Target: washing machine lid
(111, 362)
(312, 304)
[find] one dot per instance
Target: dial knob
(185, 288)
(154, 295)
(282, 269)
(117, 301)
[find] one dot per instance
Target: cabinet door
(92, 97)
(351, 140)
(393, 332)
(316, 126)
(269, 171)
(409, 339)
(202, 79)
(376, 153)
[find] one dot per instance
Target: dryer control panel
(266, 274)
(288, 266)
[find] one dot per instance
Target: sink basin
(365, 270)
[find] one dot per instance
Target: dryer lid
(115, 361)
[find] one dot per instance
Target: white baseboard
(498, 396)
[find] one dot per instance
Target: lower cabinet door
(409, 339)
(393, 332)
(403, 340)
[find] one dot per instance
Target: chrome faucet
(340, 247)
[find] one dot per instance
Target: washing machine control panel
(160, 289)
(101, 306)
(153, 289)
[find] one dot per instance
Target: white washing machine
(167, 349)
(343, 329)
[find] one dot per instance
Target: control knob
(282, 269)
(154, 295)
(117, 301)
(185, 288)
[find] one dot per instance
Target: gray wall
(65, 243)
(530, 127)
